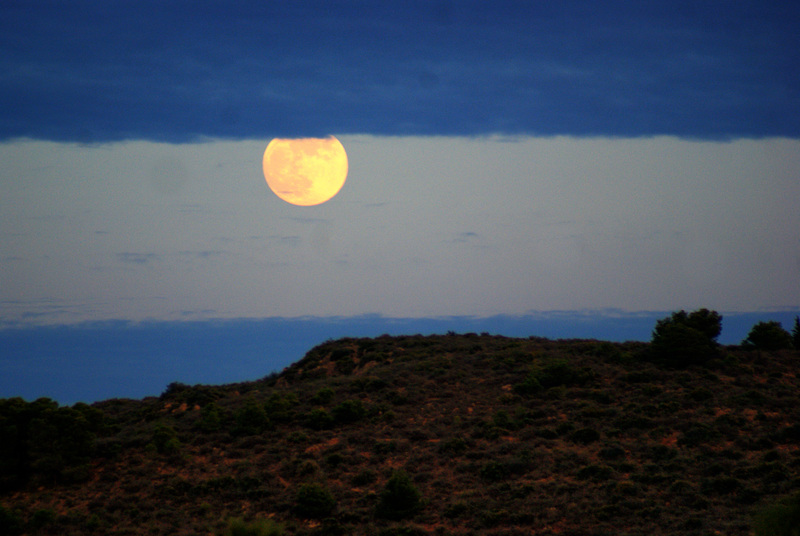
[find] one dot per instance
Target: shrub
(210, 418)
(314, 501)
(697, 434)
(560, 372)
(529, 385)
(597, 473)
(494, 471)
(454, 446)
(349, 411)
(721, 485)
(363, 478)
(768, 336)
(612, 452)
(262, 527)
(42, 517)
(781, 519)
(323, 396)
(585, 436)
(796, 333)
(10, 521)
(251, 419)
(555, 373)
(686, 339)
(400, 499)
(319, 419)
(279, 408)
(45, 442)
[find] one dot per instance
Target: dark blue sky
(179, 70)
(97, 361)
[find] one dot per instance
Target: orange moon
(305, 171)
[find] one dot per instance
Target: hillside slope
(450, 434)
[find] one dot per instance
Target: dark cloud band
(179, 71)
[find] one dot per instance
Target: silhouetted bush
(686, 339)
(323, 396)
(279, 408)
(349, 411)
(165, 439)
(364, 477)
(796, 333)
(612, 452)
(721, 485)
(494, 471)
(44, 442)
(314, 501)
(454, 446)
(595, 472)
(529, 385)
(251, 419)
(262, 527)
(210, 418)
(319, 419)
(768, 336)
(779, 519)
(585, 436)
(10, 521)
(400, 499)
(555, 373)
(561, 372)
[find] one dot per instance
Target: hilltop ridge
(441, 434)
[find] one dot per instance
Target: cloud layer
(423, 227)
(181, 71)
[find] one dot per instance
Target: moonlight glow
(305, 171)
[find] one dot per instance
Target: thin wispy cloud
(137, 258)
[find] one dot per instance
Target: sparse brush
(260, 527)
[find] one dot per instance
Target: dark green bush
(721, 485)
(456, 446)
(251, 419)
(279, 408)
(561, 372)
(612, 452)
(529, 385)
(262, 527)
(44, 442)
(779, 519)
(323, 396)
(165, 439)
(455, 510)
(686, 339)
(314, 501)
(554, 373)
(597, 473)
(10, 521)
(768, 336)
(585, 436)
(796, 333)
(697, 434)
(349, 411)
(400, 499)
(494, 471)
(364, 477)
(319, 419)
(42, 518)
(210, 418)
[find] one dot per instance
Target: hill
(446, 434)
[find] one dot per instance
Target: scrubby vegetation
(431, 435)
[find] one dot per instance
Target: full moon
(305, 171)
